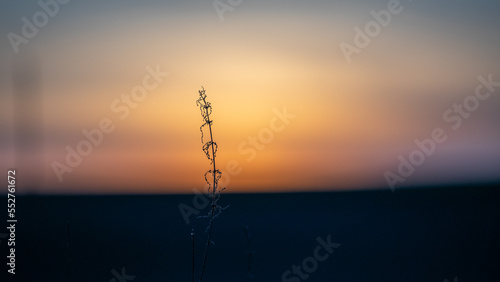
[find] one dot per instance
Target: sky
(294, 109)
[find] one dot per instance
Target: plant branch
(207, 108)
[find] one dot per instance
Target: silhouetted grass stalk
(206, 110)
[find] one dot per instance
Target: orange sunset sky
(351, 120)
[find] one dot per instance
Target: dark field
(410, 235)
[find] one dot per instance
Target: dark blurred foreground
(410, 235)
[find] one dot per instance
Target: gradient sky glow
(352, 120)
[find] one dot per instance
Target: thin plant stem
(214, 189)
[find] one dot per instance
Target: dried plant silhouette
(210, 150)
